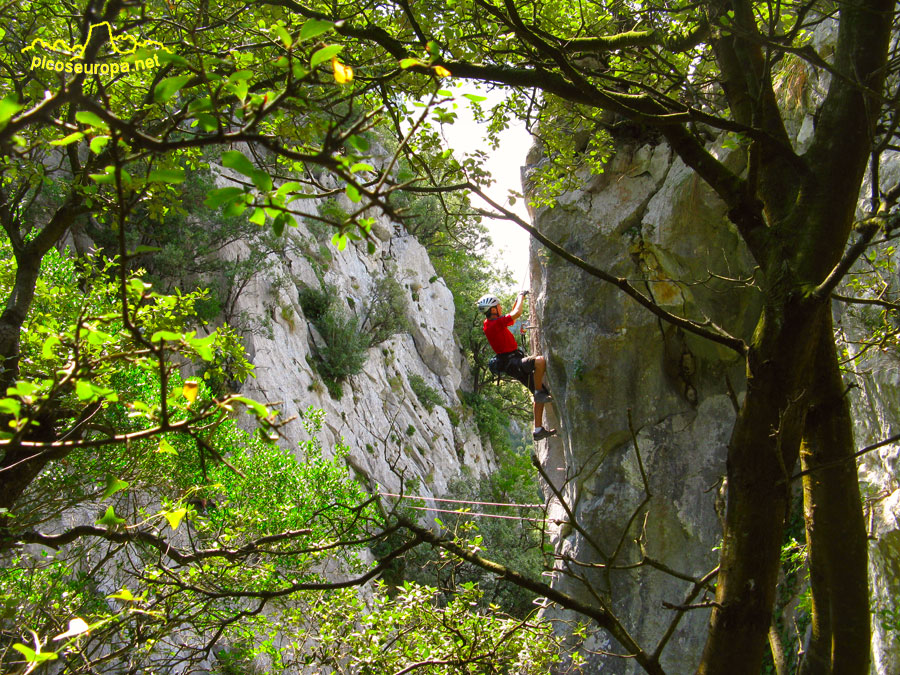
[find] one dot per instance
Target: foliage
(259, 520)
(385, 311)
(345, 347)
(870, 295)
(290, 119)
(346, 337)
(428, 396)
(518, 543)
(413, 625)
(160, 451)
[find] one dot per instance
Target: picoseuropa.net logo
(64, 58)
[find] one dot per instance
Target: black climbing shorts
(517, 365)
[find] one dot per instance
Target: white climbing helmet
(485, 302)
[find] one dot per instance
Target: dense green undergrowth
(187, 537)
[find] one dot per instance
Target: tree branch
(638, 38)
(867, 230)
(383, 563)
(715, 334)
(57, 541)
(601, 615)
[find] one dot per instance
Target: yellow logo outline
(61, 45)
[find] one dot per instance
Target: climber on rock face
(529, 370)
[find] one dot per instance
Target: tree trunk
(835, 527)
(762, 452)
(13, 317)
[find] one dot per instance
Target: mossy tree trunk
(794, 385)
(835, 527)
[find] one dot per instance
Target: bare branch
(714, 334)
(602, 615)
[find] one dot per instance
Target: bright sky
(465, 135)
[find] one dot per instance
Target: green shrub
(492, 421)
(315, 302)
(428, 396)
(386, 311)
(344, 351)
(453, 415)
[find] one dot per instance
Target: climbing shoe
(541, 396)
(541, 433)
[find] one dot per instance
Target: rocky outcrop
(389, 431)
(638, 400)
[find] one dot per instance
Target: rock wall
(614, 368)
(621, 378)
(389, 431)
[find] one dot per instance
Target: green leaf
(200, 105)
(84, 390)
(314, 28)
(166, 448)
(168, 87)
(166, 176)
(110, 519)
(361, 166)
(234, 209)
(32, 656)
(240, 89)
(215, 198)
(340, 241)
(324, 54)
(278, 224)
(91, 119)
(358, 143)
(282, 33)
(98, 143)
(240, 75)
(113, 485)
(104, 178)
(207, 122)
(352, 193)
(125, 595)
(258, 217)
(235, 159)
(475, 98)
(258, 408)
(262, 180)
(175, 59)
(292, 186)
(109, 176)
(408, 63)
(165, 335)
(27, 652)
(9, 106)
(175, 517)
(98, 337)
(71, 138)
(49, 345)
(10, 406)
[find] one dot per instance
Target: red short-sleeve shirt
(499, 335)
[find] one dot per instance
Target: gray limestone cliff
(388, 429)
(638, 398)
(614, 368)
